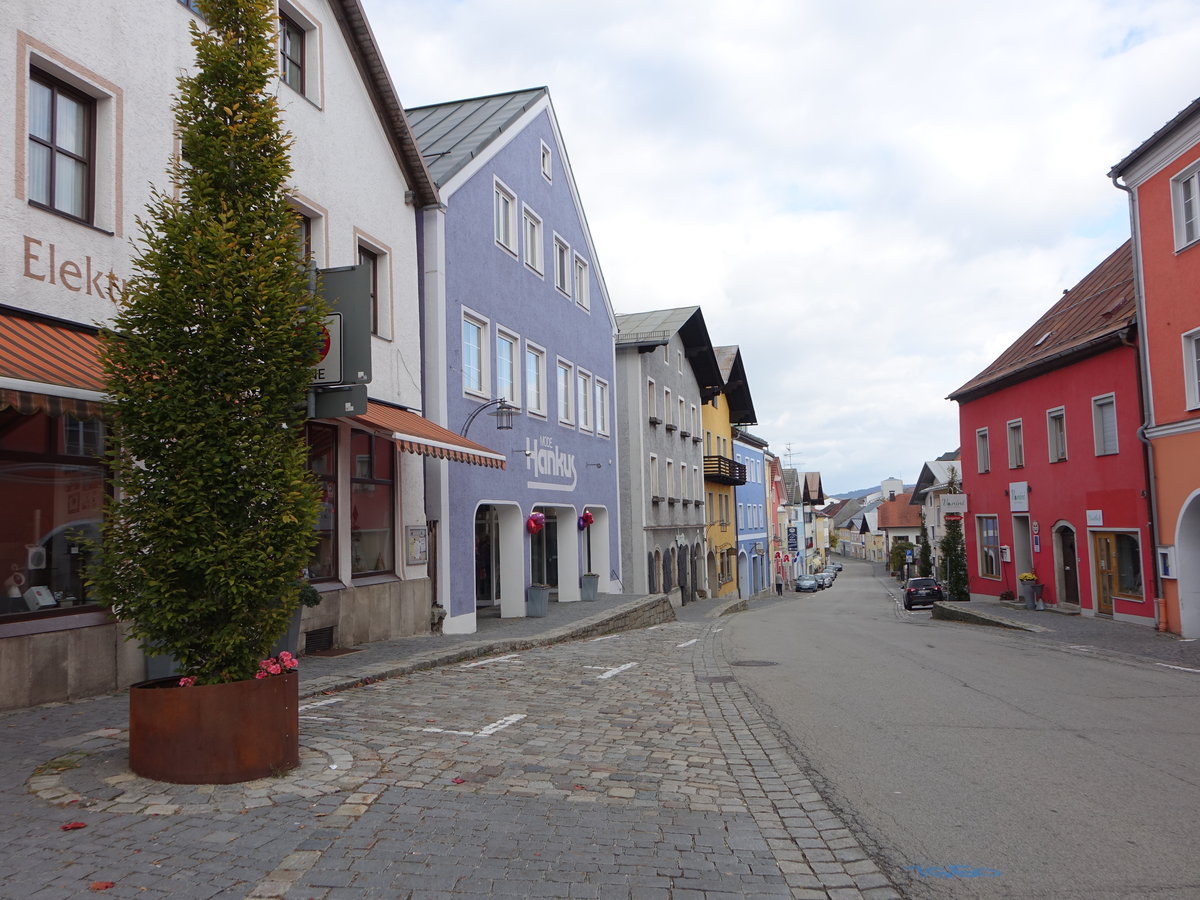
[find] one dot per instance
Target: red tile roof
(1089, 318)
(899, 513)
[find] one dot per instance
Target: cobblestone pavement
(626, 765)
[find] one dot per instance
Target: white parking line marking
(484, 662)
(689, 643)
(1177, 668)
(485, 731)
(617, 671)
(317, 703)
(501, 724)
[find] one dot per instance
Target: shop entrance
(543, 550)
(1070, 566)
(487, 557)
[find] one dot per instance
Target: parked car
(830, 571)
(837, 566)
(922, 592)
(807, 583)
(824, 579)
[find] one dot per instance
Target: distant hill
(859, 494)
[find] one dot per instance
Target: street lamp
(503, 414)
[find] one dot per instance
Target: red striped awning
(417, 434)
(57, 365)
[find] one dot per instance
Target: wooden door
(1106, 572)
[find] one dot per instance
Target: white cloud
(873, 199)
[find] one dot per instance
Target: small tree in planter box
(207, 364)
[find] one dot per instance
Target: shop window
(322, 462)
(988, 532)
(53, 481)
(372, 505)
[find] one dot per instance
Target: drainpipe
(1144, 405)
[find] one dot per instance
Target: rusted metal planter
(214, 733)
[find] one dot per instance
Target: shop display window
(52, 476)
(372, 504)
(322, 462)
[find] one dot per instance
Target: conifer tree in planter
(207, 365)
(954, 551)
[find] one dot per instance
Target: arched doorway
(1066, 556)
(743, 575)
(714, 575)
(1187, 559)
(668, 570)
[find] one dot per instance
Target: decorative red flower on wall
(535, 523)
(585, 520)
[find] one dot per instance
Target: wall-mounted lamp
(503, 414)
(594, 465)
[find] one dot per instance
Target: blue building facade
(515, 310)
(754, 570)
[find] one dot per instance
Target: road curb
(961, 612)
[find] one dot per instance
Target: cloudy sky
(872, 198)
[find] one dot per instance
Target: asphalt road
(979, 762)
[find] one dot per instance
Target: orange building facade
(1162, 178)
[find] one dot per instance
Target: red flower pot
(214, 733)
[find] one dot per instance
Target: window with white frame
(1056, 434)
(583, 398)
(601, 406)
(565, 387)
(582, 285)
(547, 163)
(562, 266)
(653, 469)
(1185, 204)
(506, 366)
(1191, 368)
(670, 481)
(667, 409)
(1104, 424)
(535, 379)
(741, 521)
(983, 455)
(681, 421)
(1016, 445)
(533, 240)
(505, 216)
(474, 362)
(651, 400)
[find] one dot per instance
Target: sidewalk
(564, 622)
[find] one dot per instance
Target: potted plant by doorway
(1031, 590)
(589, 581)
(207, 364)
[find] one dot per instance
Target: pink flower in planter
(261, 674)
(187, 681)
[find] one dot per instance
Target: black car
(922, 592)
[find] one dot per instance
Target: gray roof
(451, 134)
(662, 322)
(645, 330)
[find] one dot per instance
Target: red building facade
(1051, 460)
